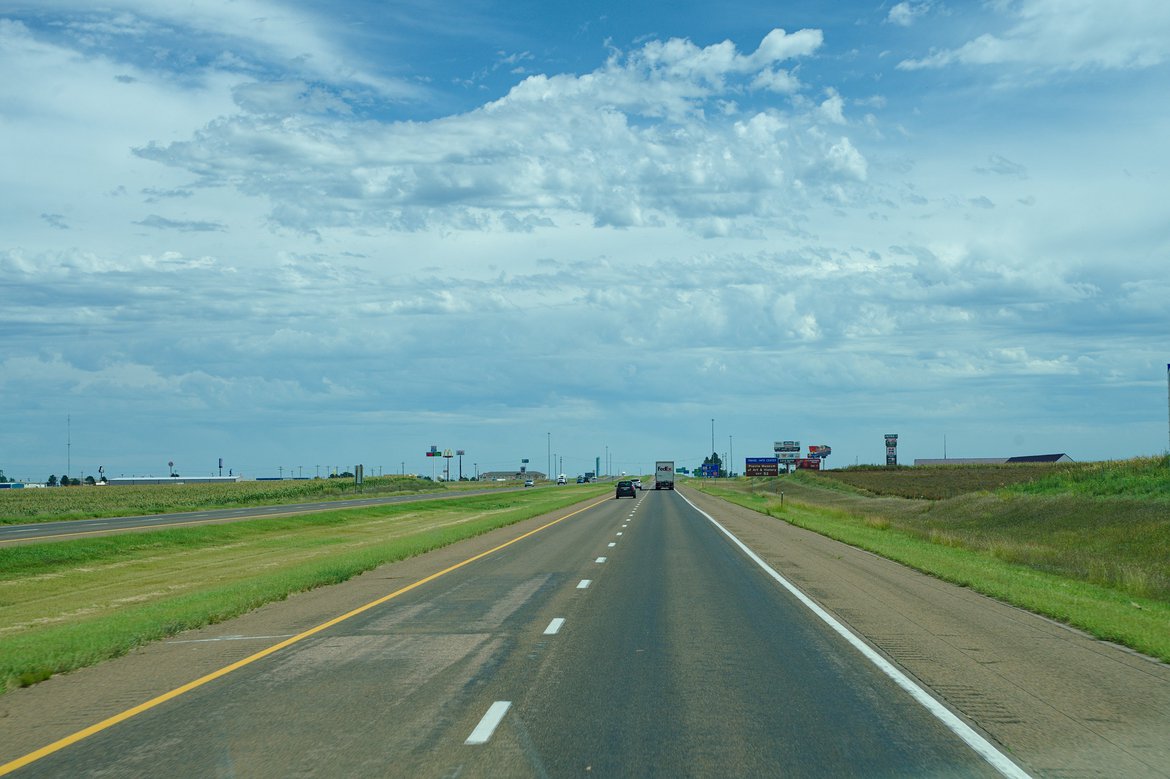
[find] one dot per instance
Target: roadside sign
(761, 466)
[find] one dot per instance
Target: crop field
(74, 603)
(82, 502)
(938, 482)
(1033, 535)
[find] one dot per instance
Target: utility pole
(712, 436)
(548, 455)
(730, 457)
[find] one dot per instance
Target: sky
(306, 235)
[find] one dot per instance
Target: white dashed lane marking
(487, 726)
(584, 584)
(554, 626)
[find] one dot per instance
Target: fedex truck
(664, 475)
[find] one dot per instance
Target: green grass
(70, 604)
(1094, 557)
(63, 503)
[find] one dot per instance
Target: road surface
(633, 638)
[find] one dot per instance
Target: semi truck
(664, 475)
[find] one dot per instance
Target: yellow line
(109, 722)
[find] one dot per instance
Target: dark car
(625, 489)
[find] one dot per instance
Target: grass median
(70, 604)
(1098, 562)
(82, 502)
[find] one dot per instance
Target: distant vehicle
(664, 475)
(580, 479)
(625, 489)
(561, 479)
(500, 478)
(529, 483)
(637, 483)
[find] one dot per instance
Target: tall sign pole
(891, 449)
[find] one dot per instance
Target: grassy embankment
(82, 502)
(70, 604)
(1087, 544)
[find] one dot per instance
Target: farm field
(74, 603)
(1087, 544)
(83, 502)
(1139, 477)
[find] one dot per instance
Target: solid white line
(600, 560)
(487, 726)
(984, 748)
(584, 584)
(554, 626)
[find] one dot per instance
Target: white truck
(664, 475)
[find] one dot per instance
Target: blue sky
(299, 235)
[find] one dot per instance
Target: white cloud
(629, 144)
(1067, 35)
(905, 13)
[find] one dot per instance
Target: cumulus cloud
(630, 144)
(1066, 35)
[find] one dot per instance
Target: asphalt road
(631, 639)
(41, 532)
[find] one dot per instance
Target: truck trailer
(664, 475)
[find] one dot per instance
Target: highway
(631, 638)
(41, 532)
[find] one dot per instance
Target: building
(511, 475)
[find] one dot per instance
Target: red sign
(809, 464)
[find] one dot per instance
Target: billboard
(809, 463)
(761, 466)
(891, 448)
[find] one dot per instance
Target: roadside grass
(1099, 564)
(70, 604)
(83, 502)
